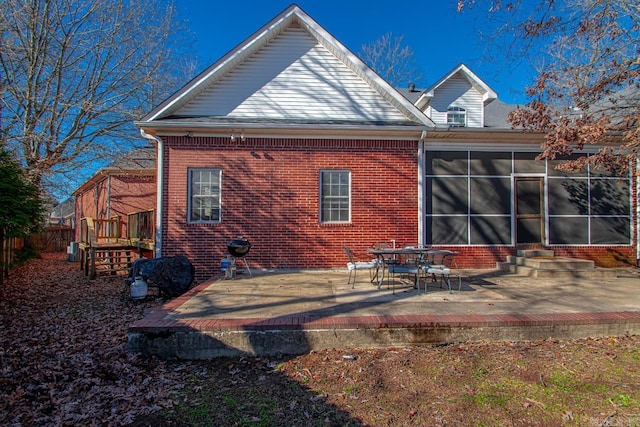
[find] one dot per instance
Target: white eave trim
(305, 131)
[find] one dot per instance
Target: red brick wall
(603, 256)
(129, 194)
(91, 203)
(481, 256)
(270, 195)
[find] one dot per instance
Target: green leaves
(21, 208)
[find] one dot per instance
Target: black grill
(238, 247)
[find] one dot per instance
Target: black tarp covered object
(172, 275)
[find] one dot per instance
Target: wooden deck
(103, 250)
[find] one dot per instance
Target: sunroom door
(529, 210)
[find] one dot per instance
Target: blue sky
(440, 37)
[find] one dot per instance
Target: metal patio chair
(353, 266)
(404, 268)
(439, 267)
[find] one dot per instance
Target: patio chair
(440, 267)
(406, 268)
(353, 266)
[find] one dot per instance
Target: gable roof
(411, 93)
(488, 94)
(139, 162)
(289, 73)
(64, 209)
(140, 159)
(496, 114)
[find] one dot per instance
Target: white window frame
(457, 113)
(324, 199)
(213, 195)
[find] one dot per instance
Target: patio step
(530, 253)
(552, 263)
(543, 264)
(557, 273)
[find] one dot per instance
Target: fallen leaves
(63, 353)
(63, 361)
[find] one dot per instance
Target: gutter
(159, 180)
(202, 127)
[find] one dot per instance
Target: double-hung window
(335, 196)
(204, 195)
(456, 117)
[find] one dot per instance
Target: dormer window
(456, 117)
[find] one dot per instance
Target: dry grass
(548, 383)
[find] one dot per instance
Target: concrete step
(517, 260)
(528, 253)
(558, 263)
(552, 263)
(523, 270)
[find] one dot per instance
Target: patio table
(387, 256)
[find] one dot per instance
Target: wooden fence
(52, 239)
(7, 256)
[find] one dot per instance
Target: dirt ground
(63, 360)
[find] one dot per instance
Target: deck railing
(141, 225)
(140, 230)
(93, 230)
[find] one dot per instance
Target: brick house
(292, 142)
(126, 186)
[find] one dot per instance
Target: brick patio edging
(161, 319)
(163, 333)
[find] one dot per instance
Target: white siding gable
(457, 91)
(292, 77)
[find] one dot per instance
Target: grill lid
(238, 247)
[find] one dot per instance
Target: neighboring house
(292, 142)
(118, 193)
(63, 214)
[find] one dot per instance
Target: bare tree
(75, 73)
(393, 61)
(587, 91)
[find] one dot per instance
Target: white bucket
(139, 288)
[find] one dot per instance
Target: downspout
(638, 210)
(421, 214)
(159, 179)
(108, 212)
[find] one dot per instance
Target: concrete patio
(294, 312)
